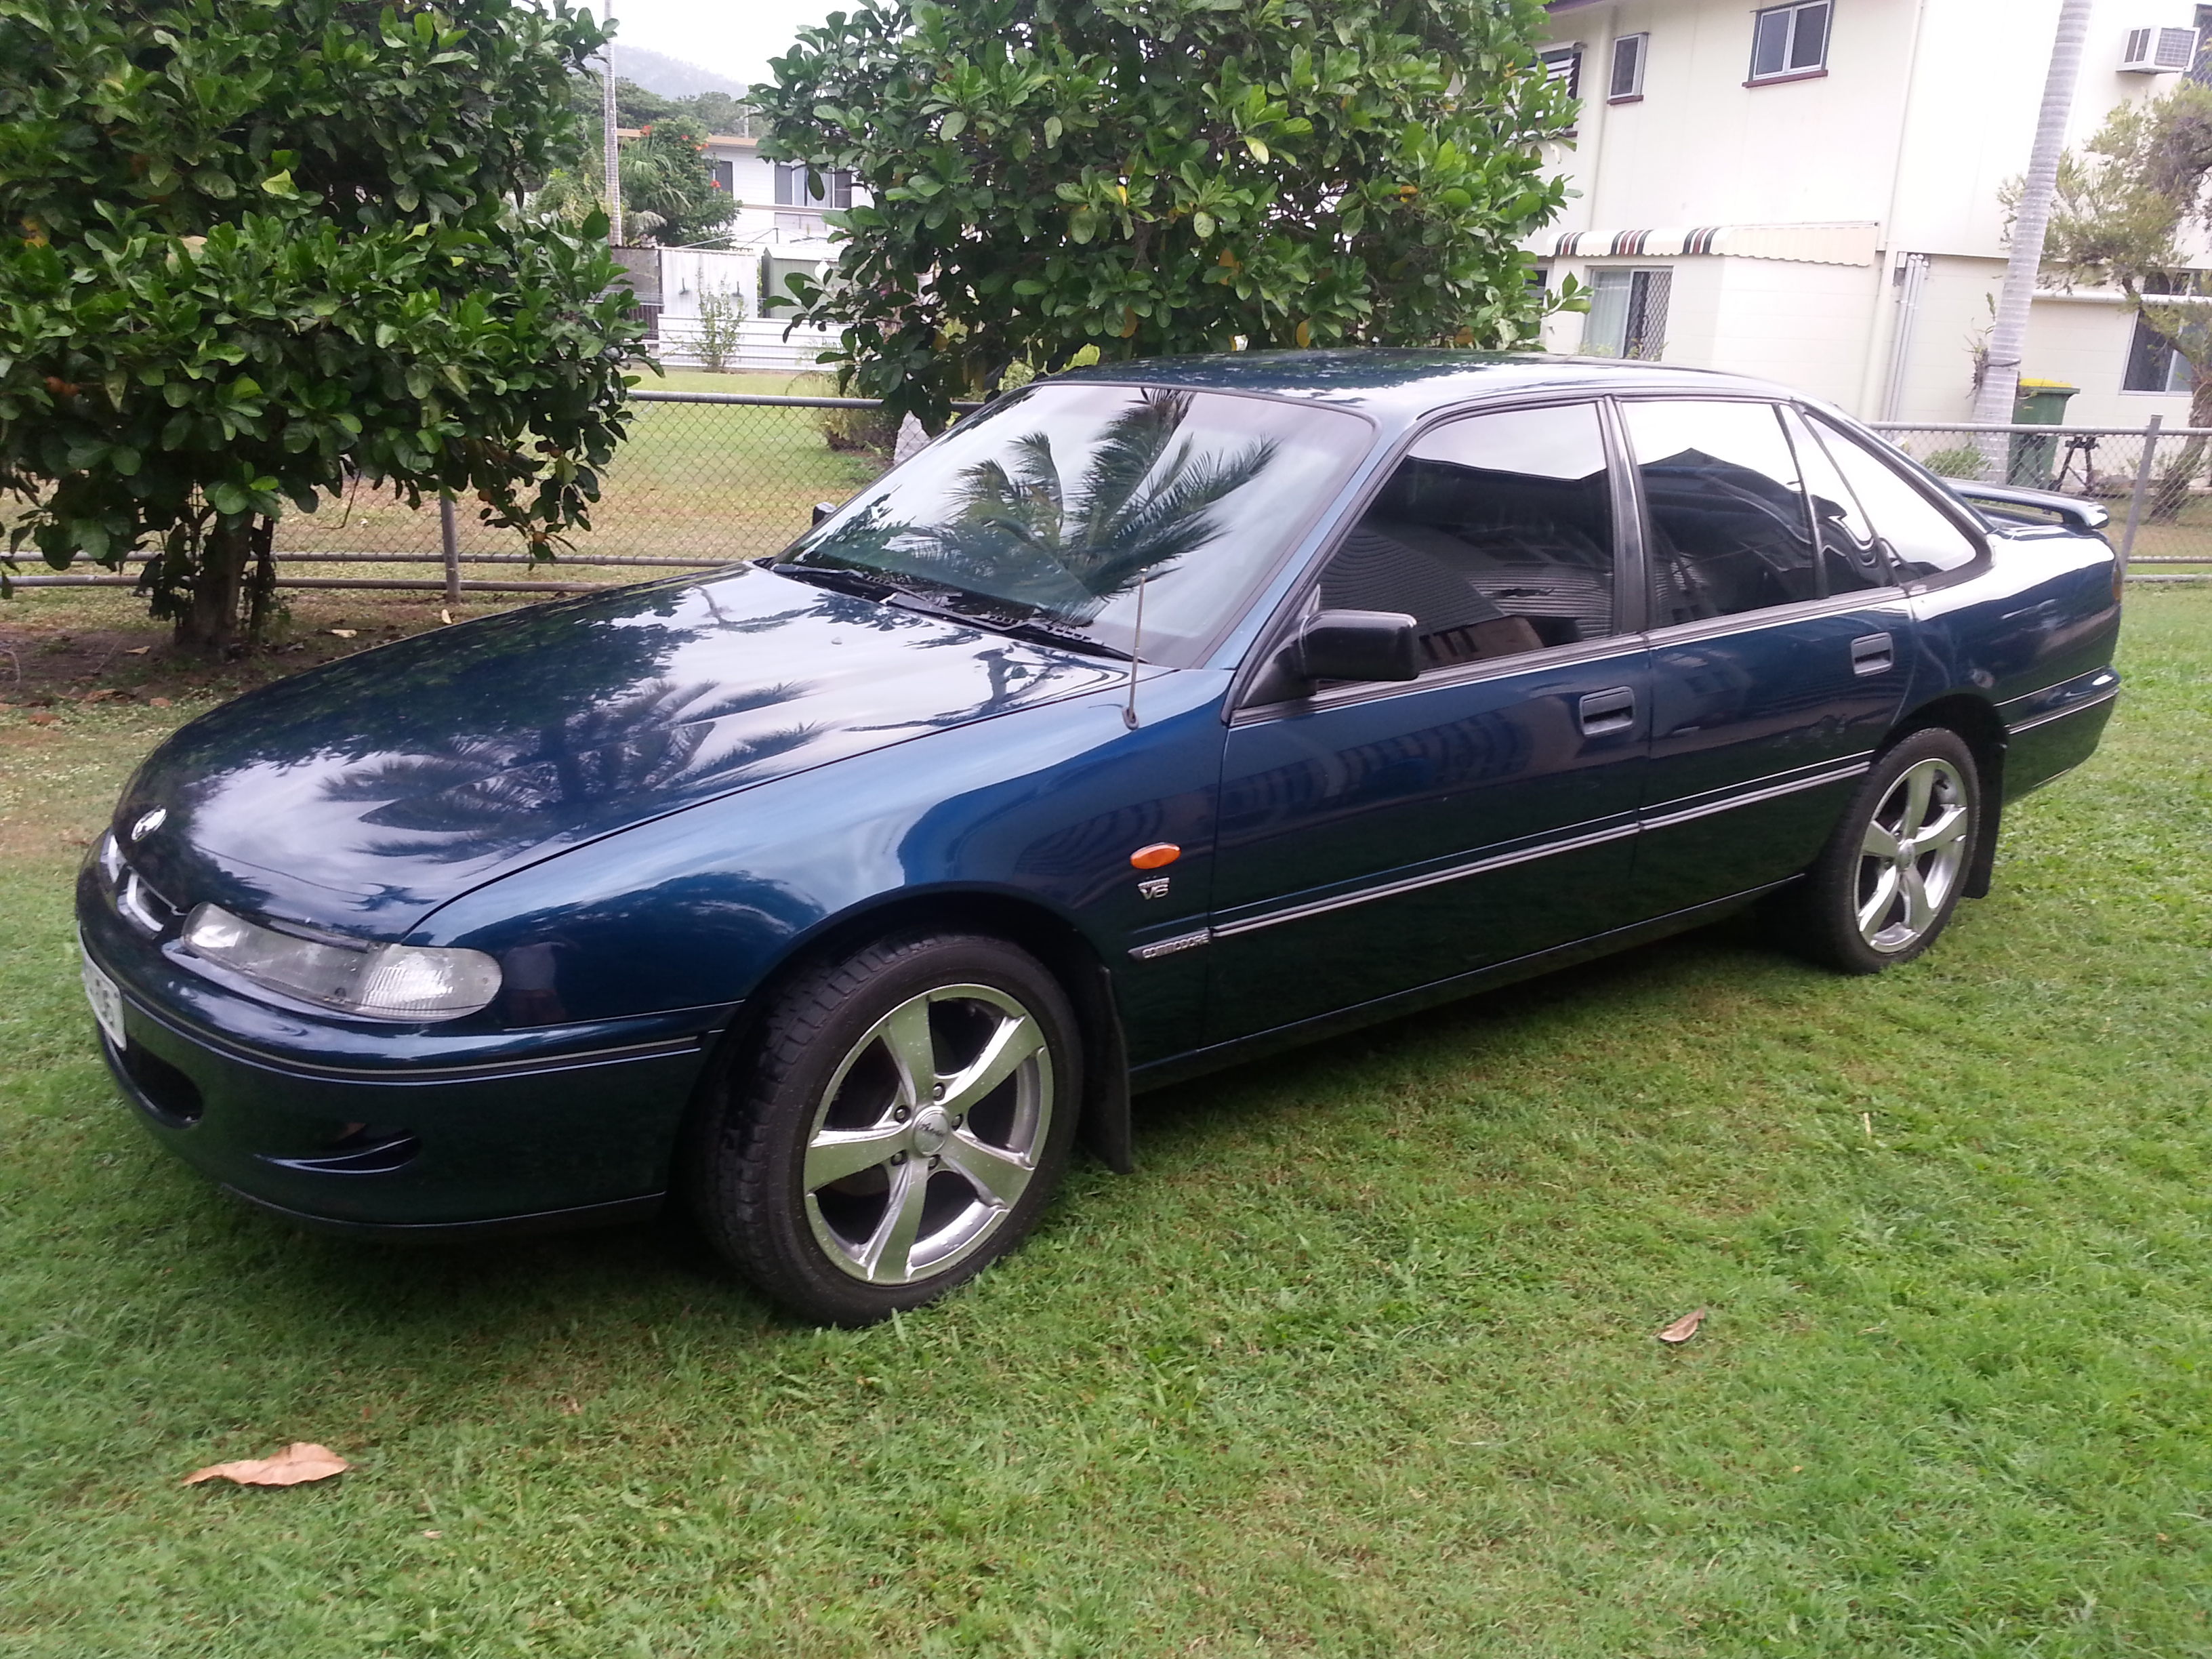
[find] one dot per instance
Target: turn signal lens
(1158, 856)
(406, 982)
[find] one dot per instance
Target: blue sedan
(1156, 717)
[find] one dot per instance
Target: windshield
(1058, 503)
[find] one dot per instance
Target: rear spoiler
(2042, 506)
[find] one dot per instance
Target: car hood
(360, 795)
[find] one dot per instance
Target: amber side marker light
(1160, 853)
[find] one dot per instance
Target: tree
(250, 253)
(2124, 204)
(1156, 176)
(668, 189)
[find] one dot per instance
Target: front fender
(696, 908)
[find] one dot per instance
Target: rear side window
(1495, 534)
(1729, 531)
(1852, 557)
(1922, 537)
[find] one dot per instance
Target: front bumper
(403, 1128)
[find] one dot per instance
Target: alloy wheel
(928, 1134)
(1912, 855)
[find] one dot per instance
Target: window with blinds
(1628, 313)
(1564, 65)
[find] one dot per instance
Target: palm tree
(468, 796)
(1136, 509)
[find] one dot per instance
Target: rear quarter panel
(2034, 636)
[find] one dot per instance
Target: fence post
(453, 545)
(2143, 480)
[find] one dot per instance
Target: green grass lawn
(1359, 1363)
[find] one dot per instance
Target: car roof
(1396, 385)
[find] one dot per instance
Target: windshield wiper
(839, 580)
(1037, 632)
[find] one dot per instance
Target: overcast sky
(732, 37)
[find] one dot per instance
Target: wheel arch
(1976, 720)
(1103, 1121)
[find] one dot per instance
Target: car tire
(1895, 867)
(846, 1184)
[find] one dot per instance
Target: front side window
(1072, 504)
(1495, 534)
(1789, 40)
(1627, 316)
(1730, 530)
(1922, 537)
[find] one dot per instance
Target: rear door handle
(1611, 710)
(1872, 653)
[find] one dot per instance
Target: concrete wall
(1928, 108)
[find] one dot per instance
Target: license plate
(106, 1001)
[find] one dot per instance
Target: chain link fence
(2156, 483)
(708, 478)
(704, 479)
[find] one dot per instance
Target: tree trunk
(2171, 493)
(2008, 334)
(208, 626)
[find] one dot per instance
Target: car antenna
(1136, 643)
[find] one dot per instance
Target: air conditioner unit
(2159, 51)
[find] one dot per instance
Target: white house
(778, 228)
(1810, 191)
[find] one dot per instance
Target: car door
(1780, 646)
(1375, 838)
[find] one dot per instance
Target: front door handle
(1610, 710)
(1872, 653)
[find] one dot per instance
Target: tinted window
(1057, 502)
(1921, 537)
(1495, 534)
(1729, 531)
(1853, 557)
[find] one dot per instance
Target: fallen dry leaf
(1683, 1328)
(299, 1461)
(445, 616)
(343, 633)
(42, 718)
(157, 702)
(138, 651)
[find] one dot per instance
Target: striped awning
(1853, 244)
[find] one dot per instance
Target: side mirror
(1354, 645)
(823, 510)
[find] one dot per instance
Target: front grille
(136, 899)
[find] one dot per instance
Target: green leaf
(1202, 223)
(1258, 147)
(1052, 131)
(952, 125)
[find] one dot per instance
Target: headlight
(374, 982)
